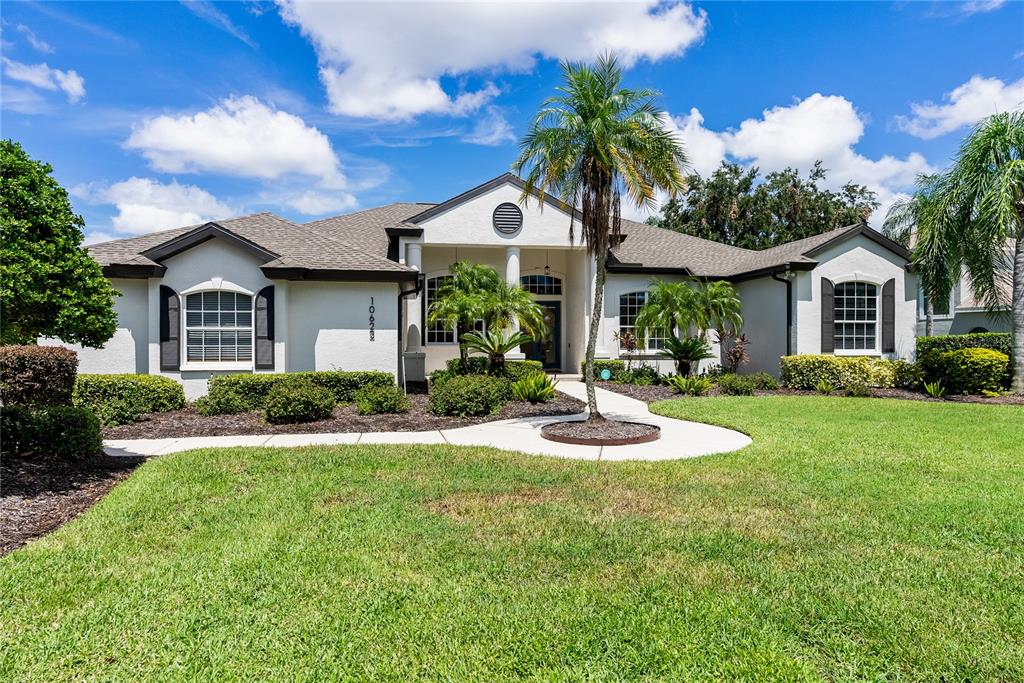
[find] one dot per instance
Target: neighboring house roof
(290, 250)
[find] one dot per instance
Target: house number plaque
(372, 309)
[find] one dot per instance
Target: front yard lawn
(856, 539)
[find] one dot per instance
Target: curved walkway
(679, 439)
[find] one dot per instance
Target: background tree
(981, 216)
(589, 145)
(734, 206)
(913, 222)
(49, 285)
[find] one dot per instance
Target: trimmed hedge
(617, 368)
(298, 400)
(967, 371)
(37, 376)
(469, 395)
(57, 431)
(249, 391)
(997, 341)
(478, 365)
(806, 371)
(120, 399)
(375, 400)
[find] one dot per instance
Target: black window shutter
(828, 313)
(265, 329)
(889, 316)
(170, 329)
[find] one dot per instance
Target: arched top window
(218, 327)
(541, 284)
(630, 304)
(856, 316)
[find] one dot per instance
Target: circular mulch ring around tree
(607, 433)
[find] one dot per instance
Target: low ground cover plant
(124, 398)
(298, 400)
(823, 386)
(692, 386)
(764, 381)
(375, 400)
(469, 395)
(34, 376)
(534, 388)
(732, 384)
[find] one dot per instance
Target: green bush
(997, 341)
(694, 386)
(904, 375)
(469, 395)
(805, 371)
(642, 376)
(616, 367)
(250, 391)
(374, 400)
(122, 399)
(298, 400)
(534, 388)
(764, 381)
(57, 431)
(966, 371)
(823, 386)
(37, 376)
(223, 401)
(858, 389)
(478, 365)
(736, 385)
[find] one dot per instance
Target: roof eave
(133, 270)
(339, 275)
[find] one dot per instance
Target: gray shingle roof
(365, 229)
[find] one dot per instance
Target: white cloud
(383, 60)
(492, 129)
(980, 6)
(210, 14)
(46, 78)
(314, 203)
(145, 205)
(241, 137)
(965, 105)
(819, 127)
(35, 41)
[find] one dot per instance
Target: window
(437, 333)
(856, 316)
(218, 327)
(629, 306)
(544, 285)
(940, 307)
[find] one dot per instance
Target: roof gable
(482, 189)
(199, 235)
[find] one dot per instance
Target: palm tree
(462, 300)
(982, 210)
(913, 222)
(495, 345)
(589, 145)
(508, 303)
(685, 352)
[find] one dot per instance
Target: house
(263, 294)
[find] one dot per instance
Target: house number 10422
(372, 309)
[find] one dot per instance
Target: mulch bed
(605, 432)
(39, 494)
(188, 422)
(650, 394)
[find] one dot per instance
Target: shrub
(37, 376)
(58, 431)
(223, 401)
(967, 371)
(643, 376)
(764, 381)
(616, 367)
(904, 375)
(805, 371)
(997, 341)
(517, 369)
(858, 389)
(122, 399)
(736, 385)
(534, 388)
(694, 386)
(374, 400)
(514, 369)
(298, 400)
(251, 390)
(469, 395)
(823, 386)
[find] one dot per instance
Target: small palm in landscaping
(535, 388)
(823, 386)
(685, 352)
(692, 386)
(935, 389)
(495, 345)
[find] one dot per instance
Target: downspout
(789, 308)
(401, 327)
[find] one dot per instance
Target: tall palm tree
(680, 306)
(913, 222)
(588, 145)
(982, 210)
(461, 301)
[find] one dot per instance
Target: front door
(549, 349)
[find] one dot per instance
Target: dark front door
(549, 349)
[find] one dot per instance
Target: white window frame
(426, 313)
(874, 350)
(235, 365)
(645, 347)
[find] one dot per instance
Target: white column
(280, 326)
(414, 306)
(512, 278)
(153, 314)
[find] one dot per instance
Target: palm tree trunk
(600, 257)
(1017, 313)
(929, 317)
(463, 349)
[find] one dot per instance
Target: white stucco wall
(328, 326)
(861, 259)
(764, 323)
(126, 351)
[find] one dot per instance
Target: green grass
(856, 539)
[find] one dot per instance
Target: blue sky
(158, 114)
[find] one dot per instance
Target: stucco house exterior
(260, 293)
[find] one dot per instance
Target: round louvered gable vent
(508, 218)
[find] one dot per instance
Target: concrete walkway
(679, 439)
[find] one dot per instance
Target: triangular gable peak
(492, 214)
(202, 234)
